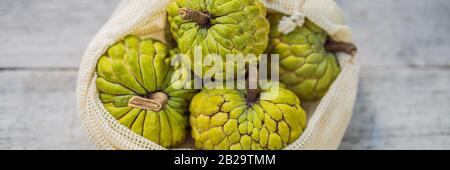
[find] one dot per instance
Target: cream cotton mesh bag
(327, 118)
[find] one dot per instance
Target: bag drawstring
(296, 19)
(289, 23)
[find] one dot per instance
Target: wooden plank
(49, 33)
(401, 108)
(400, 32)
(38, 111)
(398, 108)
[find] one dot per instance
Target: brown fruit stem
(155, 102)
(194, 15)
(252, 94)
(333, 46)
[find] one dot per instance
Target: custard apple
(227, 119)
(135, 86)
(219, 27)
(305, 65)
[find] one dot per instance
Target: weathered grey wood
(37, 111)
(401, 108)
(53, 33)
(400, 32)
(49, 33)
(402, 101)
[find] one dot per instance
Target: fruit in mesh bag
(219, 27)
(306, 67)
(135, 86)
(224, 119)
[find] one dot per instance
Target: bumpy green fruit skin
(224, 120)
(141, 67)
(305, 66)
(236, 27)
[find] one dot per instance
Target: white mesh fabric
(328, 120)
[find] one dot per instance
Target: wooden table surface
(403, 100)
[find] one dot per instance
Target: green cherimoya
(305, 65)
(219, 27)
(136, 87)
(246, 120)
